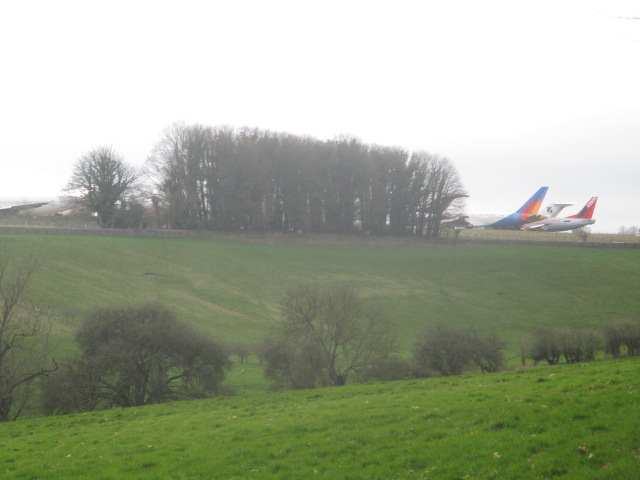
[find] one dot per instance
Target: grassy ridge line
(230, 289)
(570, 421)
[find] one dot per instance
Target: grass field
(230, 289)
(570, 422)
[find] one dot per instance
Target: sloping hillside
(230, 289)
(571, 421)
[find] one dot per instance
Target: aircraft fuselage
(559, 224)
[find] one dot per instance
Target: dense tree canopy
(248, 179)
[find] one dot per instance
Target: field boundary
(326, 239)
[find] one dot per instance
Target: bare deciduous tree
(341, 334)
(583, 233)
(622, 335)
(24, 338)
(99, 181)
(247, 179)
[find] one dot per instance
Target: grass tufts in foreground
(570, 421)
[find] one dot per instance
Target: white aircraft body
(36, 207)
(574, 222)
(525, 214)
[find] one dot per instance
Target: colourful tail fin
(587, 210)
(534, 203)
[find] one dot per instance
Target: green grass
(570, 421)
(230, 289)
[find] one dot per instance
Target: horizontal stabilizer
(554, 209)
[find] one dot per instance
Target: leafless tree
(443, 349)
(24, 338)
(100, 181)
(583, 233)
(247, 179)
(341, 333)
(622, 335)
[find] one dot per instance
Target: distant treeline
(227, 179)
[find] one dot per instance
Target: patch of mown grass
(580, 422)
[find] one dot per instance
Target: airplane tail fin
(554, 209)
(587, 210)
(532, 205)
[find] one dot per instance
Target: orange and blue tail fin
(587, 210)
(532, 206)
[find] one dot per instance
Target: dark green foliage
(138, 356)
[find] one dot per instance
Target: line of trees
(328, 336)
(232, 179)
(228, 179)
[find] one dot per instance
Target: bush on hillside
(394, 368)
(577, 345)
(545, 346)
(448, 350)
(487, 352)
(622, 337)
(574, 345)
(134, 356)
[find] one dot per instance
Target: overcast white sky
(517, 94)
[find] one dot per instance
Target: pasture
(568, 421)
(230, 289)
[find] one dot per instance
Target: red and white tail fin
(587, 210)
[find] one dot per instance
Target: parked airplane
(573, 222)
(525, 214)
(39, 207)
(554, 209)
